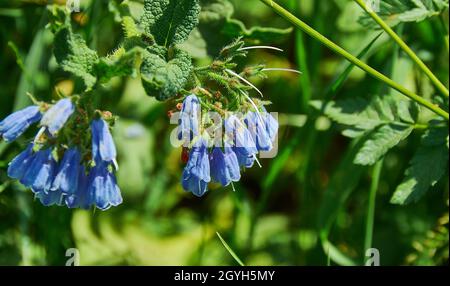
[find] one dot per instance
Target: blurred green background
(308, 201)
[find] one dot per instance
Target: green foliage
(428, 166)
(121, 63)
(74, 56)
(170, 21)
(395, 12)
(433, 247)
(217, 28)
(307, 206)
(384, 121)
(165, 72)
(380, 141)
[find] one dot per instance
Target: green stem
(437, 83)
(371, 207)
(316, 35)
(445, 30)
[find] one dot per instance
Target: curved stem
(437, 83)
(376, 74)
(371, 207)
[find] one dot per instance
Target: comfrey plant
(217, 154)
(72, 159)
(58, 166)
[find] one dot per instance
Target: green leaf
(121, 63)
(207, 38)
(395, 12)
(164, 75)
(384, 121)
(381, 141)
(170, 21)
(74, 56)
(217, 28)
(359, 115)
(427, 167)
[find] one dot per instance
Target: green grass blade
(32, 63)
(339, 82)
(228, 248)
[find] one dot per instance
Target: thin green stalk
(437, 83)
(376, 74)
(445, 30)
(230, 250)
(371, 207)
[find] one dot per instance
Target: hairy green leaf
(121, 63)
(381, 141)
(427, 167)
(395, 12)
(74, 56)
(170, 21)
(163, 76)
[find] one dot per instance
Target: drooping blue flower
(244, 158)
(224, 166)
(257, 127)
(103, 188)
(41, 172)
(20, 164)
(196, 174)
(81, 198)
(239, 138)
(189, 119)
(51, 198)
(66, 179)
(17, 123)
(55, 118)
(103, 148)
(271, 124)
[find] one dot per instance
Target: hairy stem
(376, 74)
(436, 82)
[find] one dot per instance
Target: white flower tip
(116, 166)
(257, 161)
(260, 47)
(244, 80)
(282, 69)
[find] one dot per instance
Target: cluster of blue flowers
(242, 140)
(67, 181)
